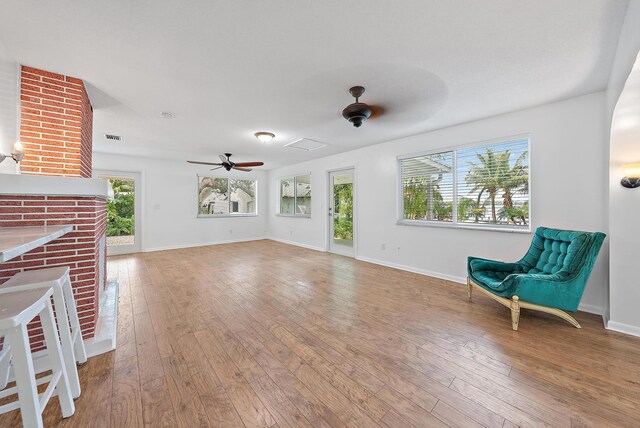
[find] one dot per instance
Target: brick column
(56, 121)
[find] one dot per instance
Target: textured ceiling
(227, 69)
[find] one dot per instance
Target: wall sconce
(17, 154)
(631, 178)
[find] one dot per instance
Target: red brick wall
(78, 249)
(56, 120)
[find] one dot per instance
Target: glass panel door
(123, 222)
(341, 221)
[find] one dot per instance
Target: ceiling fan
(358, 112)
(229, 165)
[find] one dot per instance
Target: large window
(295, 196)
(484, 185)
(226, 197)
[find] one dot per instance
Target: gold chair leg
(515, 312)
(469, 288)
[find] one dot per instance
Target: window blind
(483, 185)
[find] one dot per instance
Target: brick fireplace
(56, 119)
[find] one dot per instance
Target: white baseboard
(459, 279)
(298, 244)
(584, 307)
(201, 244)
(623, 328)
(592, 309)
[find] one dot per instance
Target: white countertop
(23, 184)
(15, 241)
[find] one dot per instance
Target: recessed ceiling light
(167, 115)
(265, 137)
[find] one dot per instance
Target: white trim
(201, 244)
(329, 222)
(298, 244)
(453, 278)
(294, 215)
(138, 207)
(592, 309)
(623, 328)
(471, 226)
(584, 307)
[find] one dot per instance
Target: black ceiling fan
(228, 164)
(358, 112)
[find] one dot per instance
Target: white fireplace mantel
(21, 184)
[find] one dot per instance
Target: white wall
(169, 205)
(568, 191)
(624, 204)
(8, 108)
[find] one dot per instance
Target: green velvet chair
(550, 278)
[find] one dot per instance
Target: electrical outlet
(383, 246)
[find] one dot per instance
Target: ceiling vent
(111, 137)
(305, 144)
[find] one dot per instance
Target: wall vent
(305, 144)
(111, 137)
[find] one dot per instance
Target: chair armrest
(558, 290)
(476, 264)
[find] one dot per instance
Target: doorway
(341, 212)
(123, 211)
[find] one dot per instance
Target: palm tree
(494, 173)
(516, 180)
(487, 177)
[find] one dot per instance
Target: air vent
(305, 144)
(111, 137)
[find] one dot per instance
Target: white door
(341, 212)
(123, 211)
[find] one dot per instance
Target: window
(479, 186)
(295, 196)
(226, 197)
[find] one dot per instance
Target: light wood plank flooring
(263, 334)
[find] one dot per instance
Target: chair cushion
(553, 250)
(491, 279)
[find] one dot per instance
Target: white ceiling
(227, 69)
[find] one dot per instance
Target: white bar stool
(65, 307)
(17, 309)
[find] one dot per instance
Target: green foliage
(493, 173)
(120, 209)
(343, 215)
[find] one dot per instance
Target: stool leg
(57, 362)
(25, 377)
(67, 341)
(81, 354)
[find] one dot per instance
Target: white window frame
(279, 195)
(454, 223)
(230, 214)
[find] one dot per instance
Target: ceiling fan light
(265, 137)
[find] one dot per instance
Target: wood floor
(263, 334)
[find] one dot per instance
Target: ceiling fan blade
(242, 169)
(213, 169)
(204, 163)
(250, 164)
(224, 159)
